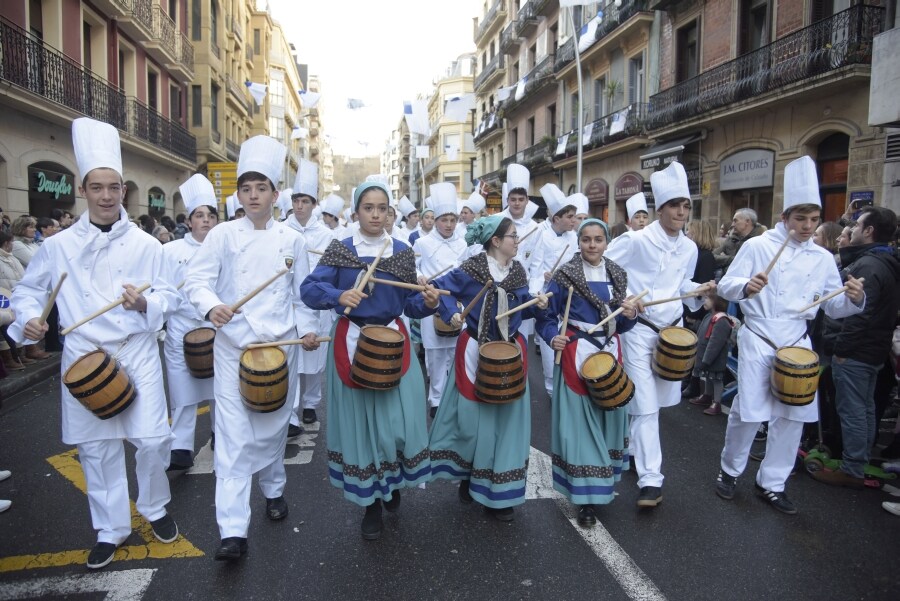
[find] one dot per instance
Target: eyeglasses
(513, 236)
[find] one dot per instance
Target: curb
(21, 381)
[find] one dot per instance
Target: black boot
(692, 389)
(371, 523)
(464, 495)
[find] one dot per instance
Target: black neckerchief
(572, 274)
(477, 268)
(104, 228)
(401, 265)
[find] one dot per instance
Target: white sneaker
(4, 505)
(888, 506)
(4, 474)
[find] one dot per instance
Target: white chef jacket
(548, 247)
(188, 389)
(436, 253)
(803, 273)
(665, 267)
(98, 264)
(523, 228)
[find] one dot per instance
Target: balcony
(495, 67)
(313, 150)
(162, 44)
(490, 124)
(147, 124)
(135, 18)
(183, 68)
(493, 16)
(842, 40)
(214, 48)
(538, 79)
(533, 157)
(628, 122)
(232, 150)
(216, 136)
(527, 18)
(432, 164)
(613, 19)
(509, 41)
(237, 28)
(248, 55)
(238, 92)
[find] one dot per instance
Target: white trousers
(103, 463)
(781, 448)
(548, 362)
(233, 498)
(437, 363)
(309, 394)
(647, 452)
(184, 426)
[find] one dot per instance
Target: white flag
(617, 123)
(458, 108)
(422, 151)
(452, 151)
(309, 99)
(589, 33)
(564, 3)
(586, 136)
(416, 115)
(299, 133)
(258, 91)
(355, 103)
(520, 88)
(562, 143)
(503, 93)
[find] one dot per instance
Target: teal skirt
(487, 444)
(377, 440)
(589, 446)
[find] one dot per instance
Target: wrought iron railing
(163, 30)
(488, 20)
(232, 150)
(142, 10)
(613, 17)
(236, 28)
(840, 40)
(533, 156)
(31, 64)
(623, 123)
(151, 126)
(489, 124)
(540, 76)
(214, 48)
(216, 136)
(238, 91)
(186, 52)
(526, 13)
(489, 70)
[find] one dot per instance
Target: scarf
(572, 274)
(477, 268)
(401, 265)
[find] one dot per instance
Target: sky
(379, 51)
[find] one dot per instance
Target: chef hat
(284, 201)
(317, 212)
(518, 176)
(348, 215)
(801, 183)
(232, 204)
(443, 197)
(264, 155)
(96, 146)
(307, 180)
(636, 204)
(475, 203)
(670, 184)
(504, 194)
(197, 192)
(333, 205)
(580, 202)
(531, 209)
(429, 204)
(405, 206)
(554, 198)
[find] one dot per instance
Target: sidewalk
(18, 381)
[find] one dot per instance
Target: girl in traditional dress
(589, 444)
(377, 440)
(485, 445)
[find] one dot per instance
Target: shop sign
(627, 186)
(754, 168)
(597, 192)
(45, 184)
(157, 201)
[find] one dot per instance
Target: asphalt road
(694, 546)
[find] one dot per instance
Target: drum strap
(769, 342)
(653, 326)
(585, 336)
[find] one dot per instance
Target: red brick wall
(790, 18)
(666, 53)
(716, 26)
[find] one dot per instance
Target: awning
(661, 154)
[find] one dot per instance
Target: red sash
(570, 369)
(466, 387)
(342, 359)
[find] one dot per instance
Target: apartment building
(128, 63)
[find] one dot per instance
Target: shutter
(892, 147)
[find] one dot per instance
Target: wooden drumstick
(370, 271)
(416, 287)
(613, 315)
(487, 286)
(533, 301)
(100, 312)
(560, 258)
(775, 258)
(286, 342)
(522, 239)
(441, 272)
(314, 251)
(829, 296)
(256, 291)
(565, 322)
(49, 306)
(698, 292)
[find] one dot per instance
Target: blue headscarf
(594, 221)
(365, 187)
(483, 229)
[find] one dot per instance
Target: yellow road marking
(67, 465)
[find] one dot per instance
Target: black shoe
(101, 555)
(503, 514)
(212, 441)
(778, 500)
(586, 516)
(294, 431)
(371, 523)
(233, 547)
(692, 388)
(464, 495)
(762, 433)
(725, 485)
(277, 508)
(165, 529)
(180, 460)
(394, 504)
(650, 496)
(309, 416)
(432, 412)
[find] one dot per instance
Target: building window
(196, 13)
(451, 140)
(175, 103)
(197, 106)
(529, 131)
(36, 18)
(256, 41)
(153, 90)
(636, 79)
(599, 97)
(214, 24)
(276, 128)
(573, 99)
(276, 92)
(754, 25)
(532, 56)
(688, 52)
(515, 139)
(551, 119)
(214, 107)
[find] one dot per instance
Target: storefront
(597, 192)
(626, 186)
(50, 186)
(746, 180)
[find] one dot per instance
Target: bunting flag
(452, 151)
(586, 136)
(520, 88)
(617, 122)
(299, 133)
(458, 108)
(416, 114)
(309, 99)
(258, 91)
(561, 144)
(589, 32)
(422, 151)
(355, 103)
(565, 3)
(504, 93)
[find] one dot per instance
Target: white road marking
(123, 585)
(632, 579)
(203, 461)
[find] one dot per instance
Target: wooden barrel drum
(675, 352)
(795, 375)
(444, 329)
(608, 385)
(198, 352)
(500, 376)
(100, 383)
(378, 361)
(264, 379)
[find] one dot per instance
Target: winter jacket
(712, 349)
(732, 244)
(11, 270)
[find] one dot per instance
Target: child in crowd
(713, 346)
